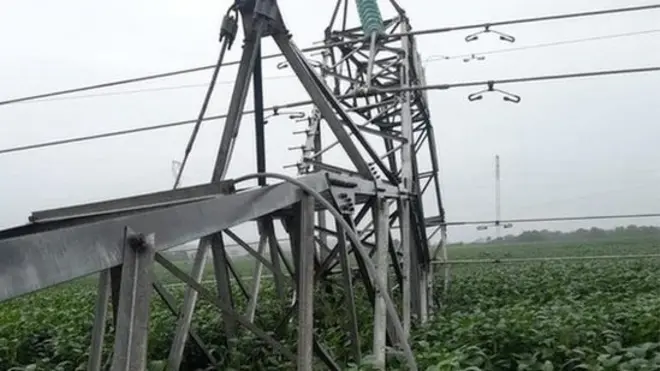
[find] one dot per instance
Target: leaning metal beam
(235, 113)
(256, 280)
(220, 304)
(136, 203)
(189, 300)
(173, 306)
(222, 279)
(253, 33)
(100, 318)
(276, 258)
(34, 261)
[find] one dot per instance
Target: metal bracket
(473, 57)
(344, 199)
(487, 29)
(491, 88)
(293, 115)
(229, 27)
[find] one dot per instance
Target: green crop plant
(583, 315)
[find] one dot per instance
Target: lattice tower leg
(380, 311)
(306, 285)
(256, 280)
(131, 335)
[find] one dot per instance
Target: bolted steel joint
(138, 242)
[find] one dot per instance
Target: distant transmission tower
(498, 206)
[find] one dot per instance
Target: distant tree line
(631, 231)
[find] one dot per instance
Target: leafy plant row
(598, 315)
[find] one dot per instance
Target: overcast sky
(569, 148)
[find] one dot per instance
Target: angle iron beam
(381, 219)
(396, 263)
(259, 122)
(220, 304)
(252, 44)
(136, 203)
(250, 250)
(223, 284)
(184, 321)
(306, 284)
(325, 356)
(330, 264)
(278, 253)
(333, 19)
(334, 251)
(100, 317)
(382, 134)
(35, 261)
(131, 334)
(349, 297)
(331, 168)
(323, 245)
(172, 305)
(405, 224)
(115, 287)
(256, 280)
(238, 278)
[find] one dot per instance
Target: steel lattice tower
(340, 218)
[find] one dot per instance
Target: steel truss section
(399, 124)
(382, 136)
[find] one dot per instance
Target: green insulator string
(370, 16)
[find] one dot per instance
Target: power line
(308, 102)
(135, 130)
(549, 259)
(521, 80)
(105, 85)
(434, 58)
(431, 59)
(146, 90)
(321, 47)
(555, 219)
(227, 39)
(531, 20)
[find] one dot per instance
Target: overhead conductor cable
(308, 102)
(228, 32)
(321, 47)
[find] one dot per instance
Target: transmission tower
(364, 174)
(498, 200)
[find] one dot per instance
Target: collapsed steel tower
(362, 88)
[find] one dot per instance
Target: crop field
(575, 315)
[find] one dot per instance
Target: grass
(597, 315)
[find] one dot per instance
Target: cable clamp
(509, 97)
(229, 27)
(487, 29)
